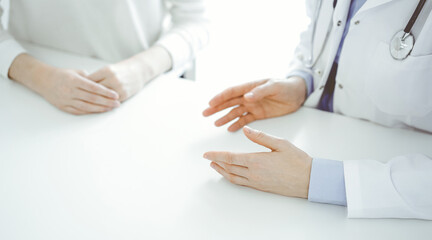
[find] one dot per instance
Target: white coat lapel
(326, 18)
(369, 4)
(323, 23)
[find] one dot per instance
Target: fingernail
(249, 95)
(212, 165)
(205, 156)
(247, 129)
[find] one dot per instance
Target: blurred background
(250, 39)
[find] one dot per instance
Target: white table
(138, 173)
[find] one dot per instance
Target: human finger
(263, 139)
(239, 159)
(89, 107)
(230, 177)
(233, 114)
(230, 103)
(73, 110)
(234, 92)
(99, 75)
(262, 91)
(242, 121)
(93, 87)
(235, 169)
(96, 99)
(82, 73)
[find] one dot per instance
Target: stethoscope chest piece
(401, 45)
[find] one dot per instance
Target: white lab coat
(371, 85)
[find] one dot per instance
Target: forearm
(150, 63)
(29, 71)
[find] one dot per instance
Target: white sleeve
(402, 188)
(188, 32)
(303, 51)
(9, 49)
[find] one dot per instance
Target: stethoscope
(402, 42)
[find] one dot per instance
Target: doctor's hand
(285, 170)
(129, 76)
(258, 100)
(68, 90)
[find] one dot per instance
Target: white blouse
(111, 30)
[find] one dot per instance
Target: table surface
(138, 173)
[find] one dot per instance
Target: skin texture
(76, 92)
(257, 100)
(285, 170)
(68, 90)
(129, 76)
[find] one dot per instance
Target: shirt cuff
(327, 183)
(307, 77)
(177, 47)
(9, 50)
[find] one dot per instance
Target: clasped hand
(76, 92)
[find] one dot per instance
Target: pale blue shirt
(327, 184)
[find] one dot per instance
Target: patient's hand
(285, 170)
(69, 90)
(129, 76)
(258, 100)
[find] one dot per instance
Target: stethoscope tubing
(414, 16)
(407, 30)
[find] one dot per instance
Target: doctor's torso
(370, 84)
(108, 29)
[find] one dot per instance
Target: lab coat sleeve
(401, 188)
(188, 32)
(303, 50)
(9, 49)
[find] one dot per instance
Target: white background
(251, 39)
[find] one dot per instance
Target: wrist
(153, 62)
(307, 176)
(30, 72)
(299, 86)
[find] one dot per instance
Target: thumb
(82, 73)
(98, 76)
(261, 91)
(268, 141)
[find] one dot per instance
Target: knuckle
(282, 142)
(231, 178)
(242, 121)
(109, 70)
(69, 78)
(259, 135)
